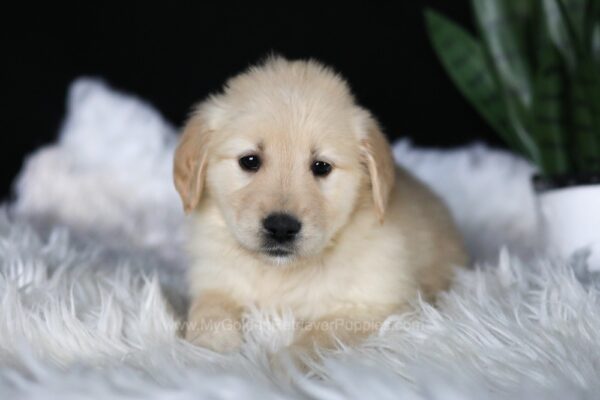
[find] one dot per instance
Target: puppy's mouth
(278, 251)
(282, 253)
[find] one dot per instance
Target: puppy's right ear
(377, 156)
(189, 167)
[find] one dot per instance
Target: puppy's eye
(320, 168)
(250, 163)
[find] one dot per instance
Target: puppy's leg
(214, 321)
(326, 332)
(348, 328)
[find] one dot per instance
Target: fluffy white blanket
(91, 267)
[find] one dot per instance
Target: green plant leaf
(504, 45)
(549, 115)
(565, 27)
(534, 76)
(592, 33)
(576, 11)
(503, 36)
(596, 43)
(464, 60)
(585, 116)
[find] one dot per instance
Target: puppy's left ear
(377, 155)
(189, 166)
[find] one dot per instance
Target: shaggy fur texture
(95, 233)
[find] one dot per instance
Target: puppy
(297, 204)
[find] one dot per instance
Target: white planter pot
(571, 218)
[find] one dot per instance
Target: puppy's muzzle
(281, 228)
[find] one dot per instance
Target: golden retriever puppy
(297, 204)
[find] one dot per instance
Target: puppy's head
(287, 156)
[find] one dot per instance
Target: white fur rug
(94, 234)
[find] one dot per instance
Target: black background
(173, 54)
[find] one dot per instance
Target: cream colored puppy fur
(372, 236)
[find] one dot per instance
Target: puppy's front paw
(214, 321)
(222, 336)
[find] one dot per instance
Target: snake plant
(532, 72)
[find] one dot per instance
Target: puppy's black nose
(282, 227)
